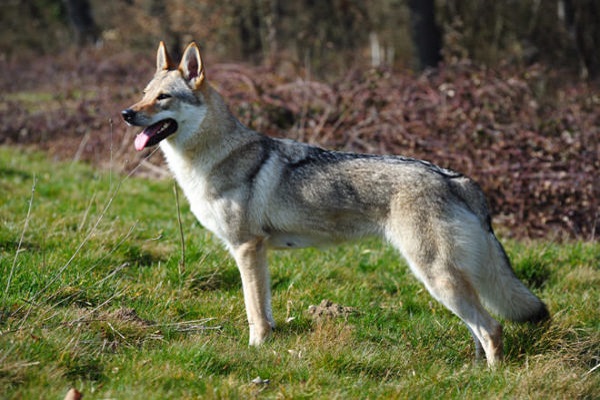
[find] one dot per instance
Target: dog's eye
(163, 96)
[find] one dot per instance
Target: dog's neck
(201, 148)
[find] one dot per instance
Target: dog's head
(172, 101)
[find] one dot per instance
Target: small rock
(260, 381)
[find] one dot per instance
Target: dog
(258, 193)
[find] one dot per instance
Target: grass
(95, 296)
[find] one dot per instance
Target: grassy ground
(95, 294)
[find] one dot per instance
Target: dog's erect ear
(191, 66)
(163, 61)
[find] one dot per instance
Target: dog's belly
(294, 240)
(288, 240)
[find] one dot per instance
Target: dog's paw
(259, 333)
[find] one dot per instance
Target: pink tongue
(141, 140)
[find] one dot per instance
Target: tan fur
(256, 193)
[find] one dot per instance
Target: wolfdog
(255, 192)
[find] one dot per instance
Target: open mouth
(153, 134)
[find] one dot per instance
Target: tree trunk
(425, 32)
(80, 16)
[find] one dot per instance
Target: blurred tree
(425, 32)
(158, 10)
(324, 37)
(582, 19)
(250, 24)
(80, 16)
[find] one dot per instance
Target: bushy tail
(500, 291)
(504, 294)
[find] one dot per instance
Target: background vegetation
(98, 292)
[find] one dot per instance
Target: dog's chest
(216, 212)
(210, 215)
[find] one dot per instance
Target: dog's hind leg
(442, 255)
(478, 347)
(452, 288)
(457, 294)
(251, 259)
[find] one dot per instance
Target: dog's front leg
(251, 259)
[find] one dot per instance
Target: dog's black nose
(128, 115)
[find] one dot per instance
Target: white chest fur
(193, 180)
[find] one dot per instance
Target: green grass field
(98, 293)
